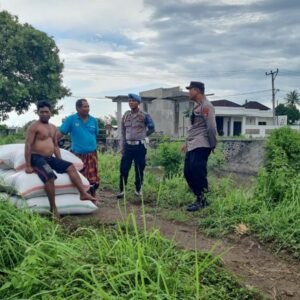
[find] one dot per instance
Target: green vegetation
(41, 260)
(30, 68)
(269, 207)
(12, 139)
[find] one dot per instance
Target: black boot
(198, 204)
(203, 202)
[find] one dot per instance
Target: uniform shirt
(134, 126)
(203, 130)
(83, 134)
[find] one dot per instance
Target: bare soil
(253, 263)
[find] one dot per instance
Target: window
(262, 123)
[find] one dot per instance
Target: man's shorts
(44, 166)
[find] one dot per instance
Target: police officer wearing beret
(200, 142)
(136, 126)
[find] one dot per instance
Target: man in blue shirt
(83, 129)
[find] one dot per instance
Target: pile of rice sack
(27, 190)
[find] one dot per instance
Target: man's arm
(31, 132)
(55, 141)
(210, 119)
(58, 135)
(64, 128)
(149, 124)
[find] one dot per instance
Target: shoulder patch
(206, 111)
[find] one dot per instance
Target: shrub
(170, 157)
(282, 165)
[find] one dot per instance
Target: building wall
(184, 122)
(167, 114)
(162, 113)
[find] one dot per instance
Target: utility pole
(274, 74)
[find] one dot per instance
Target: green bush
(283, 143)
(277, 180)
(170, 157)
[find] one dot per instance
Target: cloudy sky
(120, 46)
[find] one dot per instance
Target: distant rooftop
(255, 105)
(224, 103)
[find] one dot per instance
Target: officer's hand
(184, 148)
(213, 150)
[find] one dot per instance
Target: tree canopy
(293, 98)
(290, 111)
(30, 67)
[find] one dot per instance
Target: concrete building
(252, 118)
(170, 109)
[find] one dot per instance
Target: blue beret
(135, 97)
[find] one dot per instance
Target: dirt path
(256, 266)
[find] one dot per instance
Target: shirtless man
(40, 146)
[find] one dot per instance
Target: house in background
(170, 109)
(248, 119)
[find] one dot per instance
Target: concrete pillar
(243, 125)
(231, 126)
(119, 117)
(176, 118)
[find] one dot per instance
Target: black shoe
(203, 203)
(198, 204)
(120, 195)
(193, 206)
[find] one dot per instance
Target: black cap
(197, 84)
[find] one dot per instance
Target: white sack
(30, 185)
(66, 204)
(13, 156)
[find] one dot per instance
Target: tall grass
(270, 208)
(42, 260)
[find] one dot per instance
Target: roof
(255, 105)
(224, 103)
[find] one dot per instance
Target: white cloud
(78, 15)
(118, 46)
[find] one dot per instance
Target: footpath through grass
(43, 260)
(269, 209)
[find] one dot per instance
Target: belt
(135, 142)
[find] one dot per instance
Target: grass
(278, 225)
(12, 139)
(43, 260)
(230, 204)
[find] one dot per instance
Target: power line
(215, 96)
(245, 93)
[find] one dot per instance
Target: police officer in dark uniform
(136, 126)
(200, 142)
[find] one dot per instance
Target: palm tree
(293, 98)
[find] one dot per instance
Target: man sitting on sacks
(40, 148)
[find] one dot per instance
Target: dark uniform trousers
(195, 170)
(136, 153)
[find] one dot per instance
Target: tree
(293, 98)
(30, 68)
(290, 111)
(113, 120)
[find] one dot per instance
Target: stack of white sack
(31, 188)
